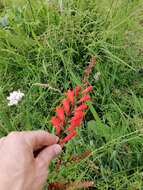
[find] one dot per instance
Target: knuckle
(13, 135)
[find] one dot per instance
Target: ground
(51, 42)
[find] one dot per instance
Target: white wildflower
(15, 97)
(97, 76)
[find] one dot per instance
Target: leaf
(94, 113)
(102, 131)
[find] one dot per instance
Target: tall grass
(51, 42)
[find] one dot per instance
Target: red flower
(87, 90)
(60, 113)
(71, 112)
(77, 90)
(76, 120)
(68, 137)
(81, 108)
(66, 106)
(56, 123)
(75, 123)
(84, 99)
(79, 115)
(70, 95)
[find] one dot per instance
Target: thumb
(47, 155)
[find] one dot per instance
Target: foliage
(44, 48)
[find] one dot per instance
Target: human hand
(19, 169)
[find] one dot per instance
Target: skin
(19, 168)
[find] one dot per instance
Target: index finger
(38, 139)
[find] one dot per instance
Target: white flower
(15, 97)
(97, 76)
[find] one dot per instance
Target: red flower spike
(71, 127)
(76, 120)
(75, 123)
(68, 137)
(71, 111)
(66, 106)
(79, 115)
(81, 108)
(56, 123)
(84, 99)
(60, 113)
(77, 90)
(70, 95)
(58, 130)
(89, 89)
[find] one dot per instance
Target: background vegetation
(51, 42)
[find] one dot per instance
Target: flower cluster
(71, 112)
(15, 97)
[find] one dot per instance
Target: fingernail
(57, 148)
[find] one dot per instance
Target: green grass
(51, 42)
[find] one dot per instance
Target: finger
(2, 140)
(38, 139)
(47, 155)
